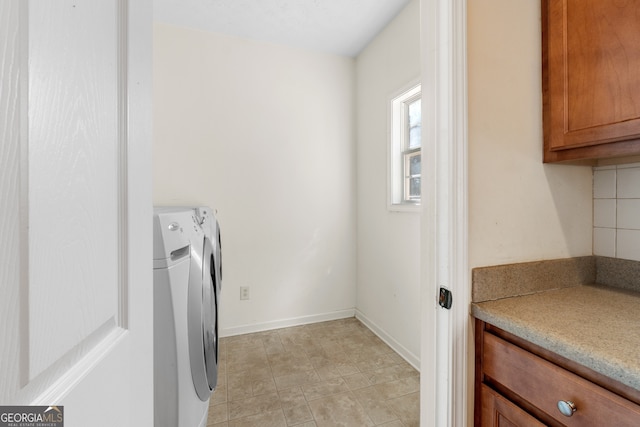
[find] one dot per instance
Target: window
(405, 149)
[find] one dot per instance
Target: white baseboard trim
(286, 323)
(411, 358)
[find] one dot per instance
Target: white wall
(388, 242)
(520, 210)
(616, 211)
(264, 134)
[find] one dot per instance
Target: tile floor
(334, 373)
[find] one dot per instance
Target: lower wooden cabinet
(520, 384)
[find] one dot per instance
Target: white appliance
(187, 276)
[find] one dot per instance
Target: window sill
(405, 207)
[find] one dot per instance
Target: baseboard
(286, 323)
(411, 358)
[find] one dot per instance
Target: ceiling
(342, 27)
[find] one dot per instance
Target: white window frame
(399, 152)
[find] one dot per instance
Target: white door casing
(75, 166)
(444, 375)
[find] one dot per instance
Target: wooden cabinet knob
(567, 407)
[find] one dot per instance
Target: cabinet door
(500, 412)
(591, 83)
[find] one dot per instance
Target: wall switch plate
(244, 292)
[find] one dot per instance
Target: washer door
(210, 314)
(203, 321)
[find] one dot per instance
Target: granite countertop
(596, 326)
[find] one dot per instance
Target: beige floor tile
(394, 423)
(399, 387)
(222, 347)
(378, 346)
(263, 386)
(397, 358)
(324, 388)
(291, 396)
(253, 405)
(407, 408)
(244, 348)
(296, 334)
(219, 394)
(300, 378)
(222, 371)
(339, 410)
(307, 424)
(273, 344)
(289, 362)
(273, 418)
(331, 346)
(343, 357)
(262, 372)
(254, 371)
(312, 347)
(375, 362)
(294, 405)
(390, 373)
(347, 369)
(247, 362)
(239, 387)
(329, 372)
(374, 405)
(356, 381)
(321, 360)
(297, 414)
(217, 414)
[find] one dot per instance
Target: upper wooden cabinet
(590, 79)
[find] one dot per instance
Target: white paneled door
(75, 209)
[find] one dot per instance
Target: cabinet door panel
(602, 62)
(500, 412)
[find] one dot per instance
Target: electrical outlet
(244, 292)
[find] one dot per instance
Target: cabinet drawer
(543, 384)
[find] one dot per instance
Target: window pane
(414, 165)
(412, 171)
(414, 188)
(415, 124)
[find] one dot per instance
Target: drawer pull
(566, 407)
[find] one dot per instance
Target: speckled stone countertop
(556, 305)
(596, 326)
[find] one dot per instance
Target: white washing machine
(187, 274)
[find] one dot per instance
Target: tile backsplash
(616, 211)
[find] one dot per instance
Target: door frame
(444, 226)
